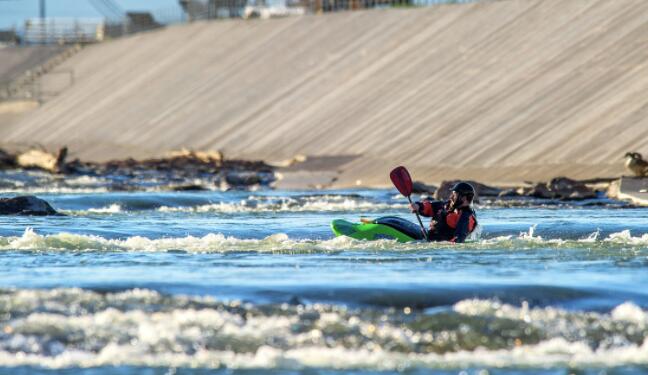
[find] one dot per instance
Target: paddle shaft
(419, 220)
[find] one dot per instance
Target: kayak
(383, 228)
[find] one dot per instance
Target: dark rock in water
(562, 188)
(567, 188)
(119, 186)
(7, 160)
(242, 178)
(26, 205)
(419, 187)
(443, 192)
(540, 190)
(189, 187)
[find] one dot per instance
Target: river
(159, 282)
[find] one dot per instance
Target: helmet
(464, 188)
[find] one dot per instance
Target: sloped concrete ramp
(498, 91)
(15, 61)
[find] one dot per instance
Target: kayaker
(453, 220)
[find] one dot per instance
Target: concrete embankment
(15, 61)
(499, 91)
(632, 189)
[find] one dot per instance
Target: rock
(176, 172)
(43, 160)
(540, 190)
(188, 187)
(614, 190)
(508, 193)
(120, 186)
(443, 192)
(562, 188)
(567, 188)
(26, 205)
(419, 187)
(242, 178)
(630, 189)
(7, 160)
(183, 163)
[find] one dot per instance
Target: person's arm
(462, 229)
(424, 208)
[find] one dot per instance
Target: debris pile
(178, 171)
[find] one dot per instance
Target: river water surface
(255, 282)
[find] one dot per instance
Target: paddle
(401, 179)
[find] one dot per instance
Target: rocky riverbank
(35, 171)
(557, 190)
(180, 170)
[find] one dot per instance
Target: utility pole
(43, 27)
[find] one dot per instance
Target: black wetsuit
(452, 225)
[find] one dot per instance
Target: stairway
(24, 87)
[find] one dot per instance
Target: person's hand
(414, 207)
(433, 224)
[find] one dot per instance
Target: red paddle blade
(402, 180)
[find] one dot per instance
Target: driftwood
(38, 159)
(211, 157)
(178, 169)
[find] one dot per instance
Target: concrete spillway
(499, 91)
(15, 61)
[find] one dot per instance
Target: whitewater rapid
(63, 328)
(256, 282)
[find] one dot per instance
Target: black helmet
(464, 188)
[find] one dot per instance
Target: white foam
(310, 204)
(213, 242)
(562, 323)
(112, 209)
(556, 352)
(624, 237)
(76, 328)
(84, 181)
(630, 312)
(280, 242)
(56, 190)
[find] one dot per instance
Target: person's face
(456, 201)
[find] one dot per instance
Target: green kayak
(388, 227)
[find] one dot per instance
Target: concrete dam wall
(498, 91)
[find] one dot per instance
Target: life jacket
(437, 211)
(447, 221)
(452, 218)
